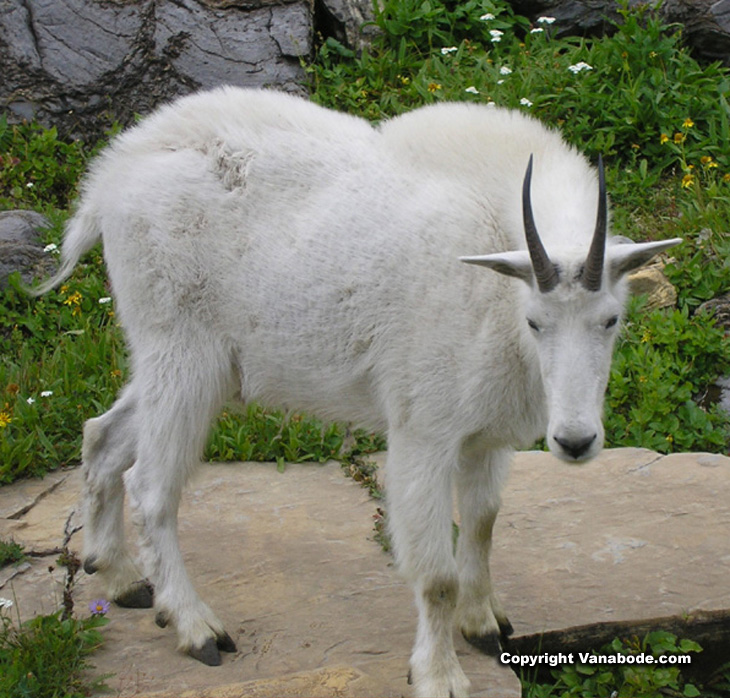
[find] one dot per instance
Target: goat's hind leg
(479, 613)
(109, 448)
(181, 395)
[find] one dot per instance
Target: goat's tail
(82, 233)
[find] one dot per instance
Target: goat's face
(572, 311)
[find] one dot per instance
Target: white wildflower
(105, 300)
(578, 67)
(6, 603)
(496, 35)
(487, 17)
(472, 90)
(29, 185)
(504, 70)
(537, 30)
(51, 248)
(450, 49)
(30, 400)
(525, 102)
(46, 393)
(545, 20)
(500, 82)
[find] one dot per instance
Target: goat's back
(322, 255)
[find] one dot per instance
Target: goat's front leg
(479, 483)
(418, 486)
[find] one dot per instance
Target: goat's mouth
(575, 448)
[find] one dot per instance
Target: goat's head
(572, 310)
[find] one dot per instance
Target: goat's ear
(623, 258)
(516, 263)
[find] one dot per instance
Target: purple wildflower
(99, 607)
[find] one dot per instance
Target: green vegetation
(47, 656)
(658, 117)
(10, 552)
(651, 667)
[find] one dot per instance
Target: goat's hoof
(505, 628)
(225, 643)
(90, 565)
(488, 644)
(162, 619)
(207, 653)
(139, 595)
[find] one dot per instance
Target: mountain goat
(263, 248)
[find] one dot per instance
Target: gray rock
(719, 308)
(83, 65)
(706, 22)
(21, 247)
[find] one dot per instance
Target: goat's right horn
(546, 274)
(593, 269)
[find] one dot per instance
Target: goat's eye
(612, 322)
(533, 325)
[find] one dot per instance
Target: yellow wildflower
(688, 123)
(679, 138)
(670, 438)
(726, 177)
(688, 180)
(74, 300)
(664, 138)
(5, 419)
(433, 86)
(646, 337)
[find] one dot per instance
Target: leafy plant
(631, 667)
(37, 168)
(10, 552)
(664, 359)
(47, 657)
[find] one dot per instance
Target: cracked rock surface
(82, 65)
(288, 561)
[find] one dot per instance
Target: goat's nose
(575, 448)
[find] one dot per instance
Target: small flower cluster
(692, 174)
(5, 603)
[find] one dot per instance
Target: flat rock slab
(288, 562)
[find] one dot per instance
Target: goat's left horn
(593, 269)
(546, 274)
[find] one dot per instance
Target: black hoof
(225, 643)
(139, 595)
(90, 565)
(505, 628)
(208, 653)
(162, 619)
(488, 644)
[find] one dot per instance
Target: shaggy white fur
(265, 248)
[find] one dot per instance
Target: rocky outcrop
(706, 23)
(21, 248)
(82, 65)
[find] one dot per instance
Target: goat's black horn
(546, 274)
(593, 269)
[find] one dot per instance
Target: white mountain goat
(264, 248)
